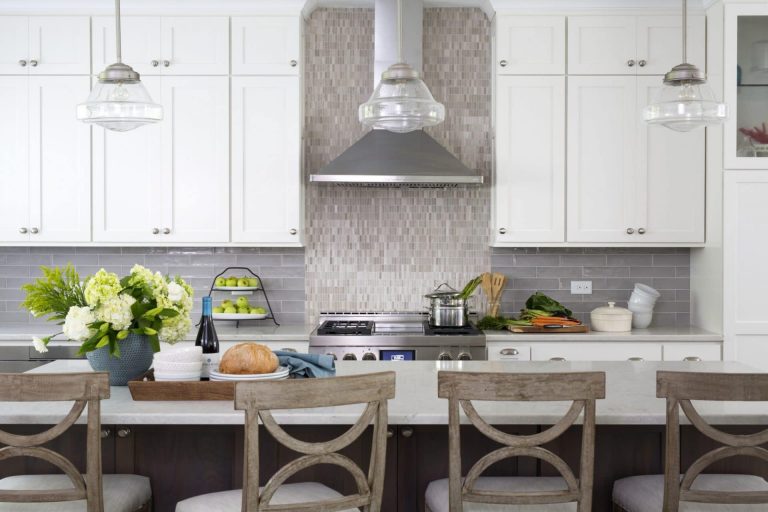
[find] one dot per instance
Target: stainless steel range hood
(386, 159)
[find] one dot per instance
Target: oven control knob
(349, 357)
(369, 356)
(332, 355)
(464, 356)
(444, 356)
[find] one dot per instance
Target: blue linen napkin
(307, 365)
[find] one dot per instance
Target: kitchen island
(189, 448)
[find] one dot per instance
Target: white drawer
(503, 351)
(693, 351)
(598, 351)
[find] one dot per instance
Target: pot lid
(611, 310)
(449, 293)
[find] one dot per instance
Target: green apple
(230, 310)
(221, 281)
(242, 302)
(242, 282)
(258, 311)
(218, 310)
(253, 282)
(226, 303)
(243, 311)
(232, 281)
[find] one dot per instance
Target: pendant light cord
(685, 31)
(117, 32)
(399, 30)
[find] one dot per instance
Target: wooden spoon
(486, 284)
(497, 286)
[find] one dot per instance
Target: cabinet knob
(503, 63)
(294, 63)
(641, 231)
(23, 231)
(166, 63)
(635, 359)
(155, 63)
(557, 359)
(695, 359)
(293, 231)
(503, 231)
(167, 231)
(642, 63)
(406, 432)
(155, 231)
(510, 352)
(33, 63)
(630, 63)
(390, 433)
(630, 231)
(22, 63)
(34, 231)
(123, 432)
(105, 433)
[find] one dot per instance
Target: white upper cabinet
(266, 167)
(530, 45)
(45, 45)
(529, 182)
(630, 45)
(182, 45)
(14, 158)
(266, 45)
(602, 126)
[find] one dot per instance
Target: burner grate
(346, 327)
(467, 330)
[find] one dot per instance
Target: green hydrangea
(101, 287)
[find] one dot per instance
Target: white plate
(236, 288)
(177, 376)
(238, 316)
(281, 373)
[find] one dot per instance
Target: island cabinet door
(14, 157)
(266, 166)
(529, 182)
(266, 45)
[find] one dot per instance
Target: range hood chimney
(387, 159)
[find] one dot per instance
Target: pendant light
(686, 101)
(401, 102)
(119, 101)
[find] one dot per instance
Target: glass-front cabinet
(746, 86)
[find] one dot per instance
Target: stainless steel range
(399, 336)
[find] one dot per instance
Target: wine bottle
(207, 338)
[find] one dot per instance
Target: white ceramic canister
(611, 319)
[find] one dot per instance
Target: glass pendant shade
(401, 102)
(684, 106)
(119, 106)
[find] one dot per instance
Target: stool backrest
(82, 388)
(679, 388)
(582, 389)
(257, 399)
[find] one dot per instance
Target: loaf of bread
(248, 358)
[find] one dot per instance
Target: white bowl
(641, 300)
(186, 354)
(645, 291)
(640, 307)
(177, 367)
(641, 320)
(194, 376)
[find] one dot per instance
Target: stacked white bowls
(179, 364)
(641, 304)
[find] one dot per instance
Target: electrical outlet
(581, 287)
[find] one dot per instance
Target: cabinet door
(693, 351)
(530, 45)
(601, 45)
(529, 200)
(140, 43)
(14, 158)
(266, 168)
(195, 46)
(195, 161)
(745, 240)
(60, 45)
(266, 45)
(671, 178)
(127, 180)
(602, 127)
(14, 45)
(60, 161)
(596, 351)
(659, 45)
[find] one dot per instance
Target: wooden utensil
(497, 287)
(487, 287)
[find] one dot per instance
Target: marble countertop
(671, 334)
(630, 398)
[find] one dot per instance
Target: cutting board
(545, 330)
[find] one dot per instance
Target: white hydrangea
(39, 344)
(175, 329)
(76, 323)
(101, 287)
(175, 292)
(116, 311)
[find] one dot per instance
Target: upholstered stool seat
(122, 493)
(437, 494)
(646, 493)
(232, 501)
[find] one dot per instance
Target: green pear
(243, 311)
(232, 281)
(226, 303)
(218, 310)
(221, 281)
(242, 302)
(230, 310)
(242, 282)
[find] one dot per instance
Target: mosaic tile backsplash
(282, 270)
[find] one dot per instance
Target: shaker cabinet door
(266, 168)
(14, 158)
(601, 45)
(659, 43)
(530, 45)
(59, 45)
(140, 43)
(194, 45)
(529, 183)
(14, 45)
(266, 45)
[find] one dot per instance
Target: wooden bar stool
(65, 493)
(257, 399)
(695, 492)
(476, 493)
